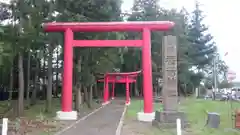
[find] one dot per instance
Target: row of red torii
(145, 43)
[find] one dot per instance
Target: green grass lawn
(3, 106)
(137, 106)
(196, 110)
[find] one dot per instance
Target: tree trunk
(49, 86)
(57, 74)
(96, 91)
(28, 79)
(78, 93)
(21, 86)
(136, 92)
(85, 94)
(34, 93)
(11, 84)
(78, 99)
(90, 97)
(43, 91)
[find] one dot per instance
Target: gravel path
(103, 122)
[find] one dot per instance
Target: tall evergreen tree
(201, 40)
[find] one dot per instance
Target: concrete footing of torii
(73, 115)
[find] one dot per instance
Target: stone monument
(167, 117)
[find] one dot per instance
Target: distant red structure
(126, 78)
(237, 119)
(69, 43)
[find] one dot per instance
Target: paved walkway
(103, 122)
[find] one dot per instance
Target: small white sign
(4, 126)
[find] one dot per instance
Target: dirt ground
(42, 125)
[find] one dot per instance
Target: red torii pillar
(69, 43)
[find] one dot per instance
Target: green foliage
(93, 60)
(195, 48)
(225, 84)
(203, 48)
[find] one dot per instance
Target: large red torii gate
(69, 43)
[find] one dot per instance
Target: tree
(4, 11)
(30, 58)
(202, 44)
(24, 36)
(225, 84)
(4, 15)
(145, 10)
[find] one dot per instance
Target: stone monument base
(167, 119)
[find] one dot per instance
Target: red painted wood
(147, 72)
(67, 74)
(127, 91)
(107, 43)
(118, 81)
(126, 73)
(108, 26)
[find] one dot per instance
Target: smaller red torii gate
(127, 78)
(145, 44)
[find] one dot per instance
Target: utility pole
(215, 74)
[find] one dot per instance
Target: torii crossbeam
(69, 43)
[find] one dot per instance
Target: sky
(222, 18)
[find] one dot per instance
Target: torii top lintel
(108, 26)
